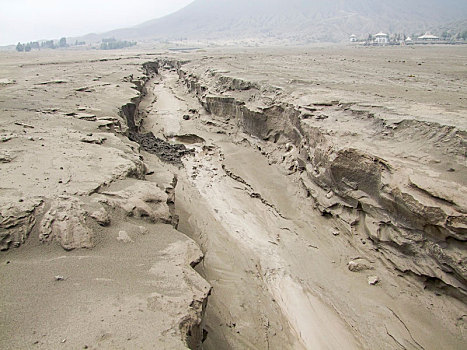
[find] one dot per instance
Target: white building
(381, 38)
(428, 37)
(353, 38)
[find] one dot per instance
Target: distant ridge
(295, 20)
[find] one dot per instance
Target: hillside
(295, 20)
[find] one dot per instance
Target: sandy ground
(61, 146)
(278, 268)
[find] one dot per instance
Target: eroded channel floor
(278, 269)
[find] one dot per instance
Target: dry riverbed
(320, 193)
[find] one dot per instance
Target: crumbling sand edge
(407, 224)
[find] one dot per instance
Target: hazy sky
(30, 20)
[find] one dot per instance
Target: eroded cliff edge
(396, 182)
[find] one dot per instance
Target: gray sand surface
(320, 193)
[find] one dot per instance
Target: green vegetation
(48, 44)
(27, 47)
(113, 44)
(62, 42)
(453, 35)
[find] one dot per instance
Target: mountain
(296, 20)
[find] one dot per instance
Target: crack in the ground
(394, 338)
(252, 192)
(407, 329)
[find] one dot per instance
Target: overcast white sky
(30, 20)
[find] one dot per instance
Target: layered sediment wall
(130, 112)
(401, 209)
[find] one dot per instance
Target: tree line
(47, 44)
(107, 44)
(451, 35)
(114, 44)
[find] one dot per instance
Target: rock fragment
(124, 237)
(24, 125)
(5, 157)
(143, 230)
(321, 117)
(101, 216)
(17, 219)
(83, 116)
(108, 123)
(51, 82)
(65, 223)
(358, 265)
(373, 280)
(93, 139)
(7, 81)
(6, 138)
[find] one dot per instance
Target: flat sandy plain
(322, 205)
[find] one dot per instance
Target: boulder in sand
(359, 264)
(65, 223)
